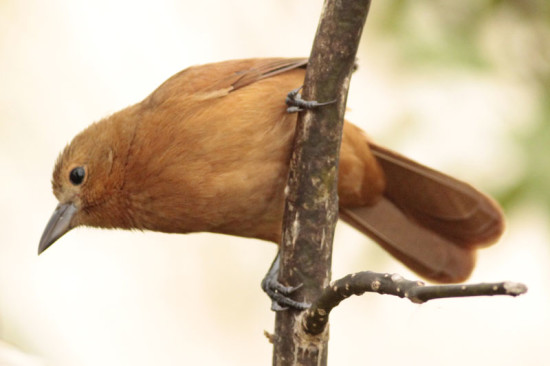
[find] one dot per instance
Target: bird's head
(88, 180)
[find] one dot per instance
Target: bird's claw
(278, 293)
(295, 102)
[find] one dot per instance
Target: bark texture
(311, 210)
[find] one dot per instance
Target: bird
(209, 151)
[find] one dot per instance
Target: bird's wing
(246, 72)
(216, 80)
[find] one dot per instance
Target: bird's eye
(76, 176)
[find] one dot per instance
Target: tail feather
(420, 249)
(429, 221)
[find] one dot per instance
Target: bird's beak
(59, 224)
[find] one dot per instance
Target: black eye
(77, 175)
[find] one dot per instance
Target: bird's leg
(295, 102)
(277, 292)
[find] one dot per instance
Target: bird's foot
(279, 293)
(295, 102)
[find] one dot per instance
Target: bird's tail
(431, 222)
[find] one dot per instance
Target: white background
(130, 298)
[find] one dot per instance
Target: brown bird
(209, 151)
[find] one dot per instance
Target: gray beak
(59, 224)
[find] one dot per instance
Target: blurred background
(462, 86)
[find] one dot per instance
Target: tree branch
(315, 318)
(311, 209)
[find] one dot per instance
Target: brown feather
(429, 221)
(452, 209)
(209, 151)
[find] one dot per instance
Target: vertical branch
(311, 209)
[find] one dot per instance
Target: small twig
(316, 317)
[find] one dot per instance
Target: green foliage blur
(509, 38)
